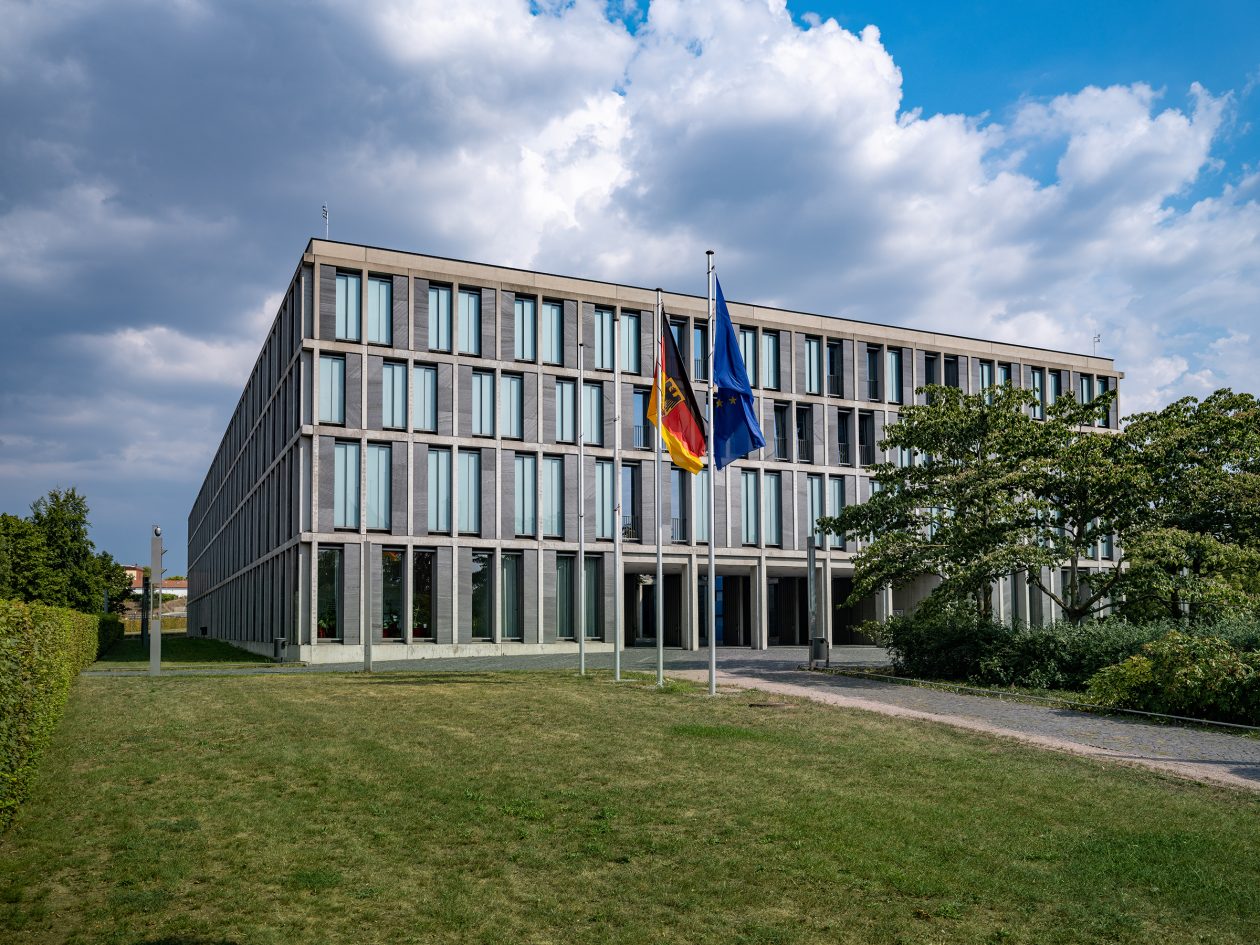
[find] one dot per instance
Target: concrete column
(691, 613)
(408, 552)
(760, 603)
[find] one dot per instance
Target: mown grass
(445, 807)
(178, 652)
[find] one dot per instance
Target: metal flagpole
(581, 501)
(712, 485)
(619, 585)
(660, 563)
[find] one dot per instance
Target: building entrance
(640, 610)
(733, 609)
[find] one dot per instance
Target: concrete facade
(318, 433)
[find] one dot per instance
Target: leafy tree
(24, 570)
(62, 518)
(114, 581)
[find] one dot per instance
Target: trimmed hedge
(41, 650)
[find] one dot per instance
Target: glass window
(565, 566)
(804, 433)
(483, 403)
(702, 504)
(379, 481)
(391, 602)
(470, 322)
(872, 372)
(525, 485)
(525, 330)
(439, 318)
(394, 395)
(332, 389)
(470, 492)
(380, 322)
(594, 599)
(426, 397)
(781, 434)
(513, 406)
(748, 351)
(1039, 391)
(422, 563)
(565, 411)
(347, 307)
(951, 372)
(481, 606)
(513, 581)
(774, 507)
(630, 525)
(630, 354)
(1003, 374)
(814, 488)
(844, 437)
(1086, 389)
(593, 414)
(604, 485)
(835, 505)
(679, 493)
(603, 340)
(439, 489)
(328, 607)
(931, 365)
(866, 438)
(770, 359)
(642, 435)
(346, 485)
(986, 380)
(553, 497)
(1056, 387)
(553, 333)
(750, 506)
(894, 375)
(835, 368)
(1103, 387)
(813, 365)
(700, 352)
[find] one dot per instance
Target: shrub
(1185, 674)
(41, 650)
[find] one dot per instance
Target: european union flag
(736, 431)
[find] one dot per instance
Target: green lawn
(543, 808)
(178, 652)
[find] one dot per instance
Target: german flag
(681, 426)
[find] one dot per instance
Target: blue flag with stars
(736, 431)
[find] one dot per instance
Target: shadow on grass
(177, 648)
(488, 677)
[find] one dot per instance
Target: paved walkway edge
(1182, 769)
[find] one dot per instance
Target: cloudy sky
(1035, 172)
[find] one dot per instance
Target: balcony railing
(867, 452)
(804, 449)
(844, 454)
(641, 439)
(781, 447)
(833, 385)
(679, 529)
(630, 529)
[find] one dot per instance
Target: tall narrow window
(439, 490)
(604, 485)
(513, 411)
(332, 389)
(470, 322)
(872, 372)
(630, 524)
(894, 375)
(594, 617)
(1086, 385)
(679, 494)
(347, 307)
(700, 352)
(483, 403)
(379, 481)
(565, 567)
(391, 602)
(565, 394)
(1103, 387)
(525, 490)
(553, 497)
(813, 365)
(422, 564)
(512, 584)
(525, 329)
(750, 506)
(1003, 373)
(702, 504)
(844, 437)
(835, 368)
(481, 605)
(1056, 387)
(469, 492)
(782, 445)
(931, 369)
(328, 605)
(426, 397)
(553, 333)
(835, 505)
(986, 380)
(814, 488)
(439, 318)
(866, 438)
(380, 320)
(1039, 391)
(394, 395)
(748, 350)
(804, 433)
(774, 508)
(603, 340)
(593, 414)
(642, 434)
(770, 360)
(951, 376)
(630, 354)
(345, 485)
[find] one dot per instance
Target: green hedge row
(41, 650)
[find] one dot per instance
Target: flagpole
(712, 602)
(660, 561)
(581, 501)
(619, 581)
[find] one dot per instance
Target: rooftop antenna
(325, 221)
(1097, 337)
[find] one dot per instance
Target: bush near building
(42, 649)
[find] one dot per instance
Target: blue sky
(1028, 172)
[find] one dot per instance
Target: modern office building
(402, 467)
